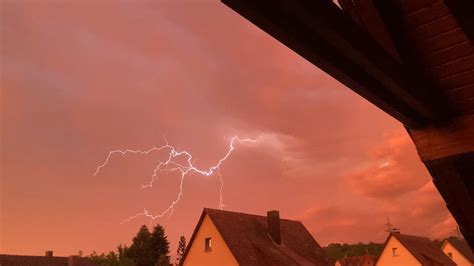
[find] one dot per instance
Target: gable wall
(458, 258)
(404, 258)
(220, 254)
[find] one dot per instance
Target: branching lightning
(171, 165)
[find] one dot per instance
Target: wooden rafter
(391, 12)
(463, 11)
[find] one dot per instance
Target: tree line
(337, 251)
(147, 249)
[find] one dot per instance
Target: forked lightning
(171, 165)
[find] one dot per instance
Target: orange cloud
(393, 170)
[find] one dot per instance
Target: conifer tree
(181, 249)
(159, 245)
(140, 250)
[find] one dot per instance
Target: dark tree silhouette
(181, 249)
(147, 249)
(140, 250)
(160, 246)
(163, 260)
(336, 251)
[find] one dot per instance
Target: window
(394, 252)
(208, 244)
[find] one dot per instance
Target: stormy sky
(81, 78)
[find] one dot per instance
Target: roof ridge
(249, 214)
(41, 256)
(414, 236)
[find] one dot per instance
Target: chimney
(273, 224)
(73, 260)
(48, 253)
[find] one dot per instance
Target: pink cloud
(394, 169)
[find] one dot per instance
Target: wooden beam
(445, 140)
(349, 8)
(364, 13)
(463, 11)
(454, 178)
(320, 32)
(391, 13)
(447, 151)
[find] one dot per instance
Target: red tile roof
(423, 250)
(19, 260)
(247, 238)
(462, 246)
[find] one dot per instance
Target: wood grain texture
(440, 141)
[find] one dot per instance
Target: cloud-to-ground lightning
(171, 165)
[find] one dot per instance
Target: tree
(336, 251)
(163, 260)
(123, 252)
(140, 250)
(148, 248)
(159, 245)
(111, 259)
(181, 249)
(96, 257)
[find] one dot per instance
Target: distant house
(407, 250)
(366, 260)
(47, 260)
(459, 251)
(231, 238)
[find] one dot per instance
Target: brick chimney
(73, 260)
(273, 224)
(48, 253)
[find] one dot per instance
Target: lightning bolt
(221, 196)
(171, 165)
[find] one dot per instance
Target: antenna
(389, 226)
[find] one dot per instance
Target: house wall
(403, 258)
(220, 254)
(457, 257)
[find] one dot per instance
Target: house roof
(19, 260)
(356, 260)
(247, 237)
(423, 249)
(462, 246)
